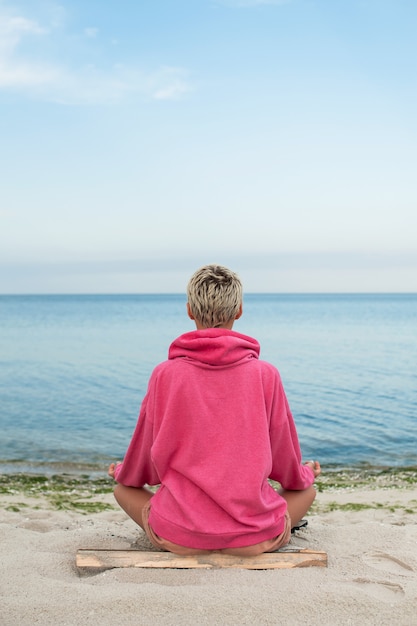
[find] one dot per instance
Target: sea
(74, 370)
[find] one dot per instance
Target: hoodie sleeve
(287, 467)
(137, 468)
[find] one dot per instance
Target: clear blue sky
(142, 139)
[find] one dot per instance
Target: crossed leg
(298, 502)
(132, 501)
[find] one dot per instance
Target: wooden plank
(99, 560)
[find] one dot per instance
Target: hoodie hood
(217, 347)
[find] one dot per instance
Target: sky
(142, 139)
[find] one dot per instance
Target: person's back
(214, 427)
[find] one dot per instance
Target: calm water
(74, 369)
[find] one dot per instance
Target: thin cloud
(91, 85)
(91, 32)
(15, 72)
(13, 27)
(86, 84)
(12, 30)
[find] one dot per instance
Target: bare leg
(132, 501)
(298, 502)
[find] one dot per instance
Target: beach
(364, 519)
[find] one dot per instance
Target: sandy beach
(366, 521)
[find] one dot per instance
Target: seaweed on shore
(83, 493)
(409, 508)
(336, 479)
(366, 477)
(62, 491)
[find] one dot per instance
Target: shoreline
(85, 492)
(97, 468)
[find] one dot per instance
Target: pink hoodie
(213, 427)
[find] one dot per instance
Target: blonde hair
(214, 295)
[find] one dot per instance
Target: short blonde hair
(214, 295)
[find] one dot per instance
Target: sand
(368, 528)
